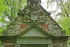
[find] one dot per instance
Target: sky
(51, 8)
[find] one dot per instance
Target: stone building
(34, 27)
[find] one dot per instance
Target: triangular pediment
(33, 31)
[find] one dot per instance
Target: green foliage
(9, 9)
(65, 8)
(65, 23)
(65, 19)
(2, 7)
(13, 7)
(1, 31)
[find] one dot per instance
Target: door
(33, 45)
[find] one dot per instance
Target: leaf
(1, 31)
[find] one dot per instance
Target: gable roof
(42, 9)
(47, 14)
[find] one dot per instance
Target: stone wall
(59, 43)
